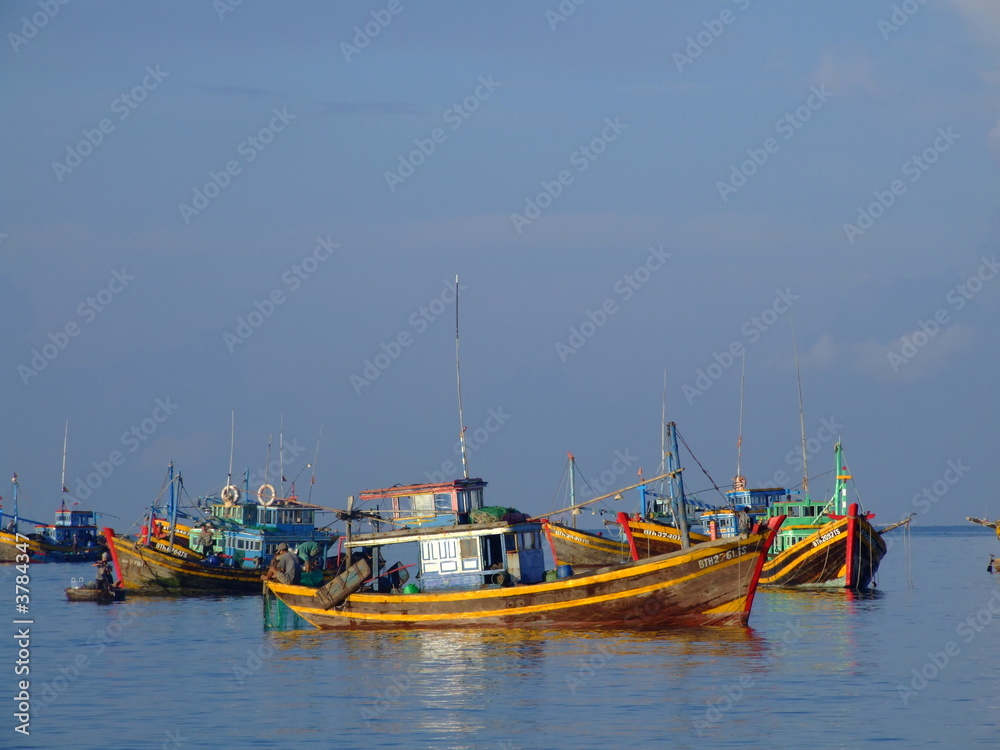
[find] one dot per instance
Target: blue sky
(259, 208)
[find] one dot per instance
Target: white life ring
(266, 494)
(230, 495)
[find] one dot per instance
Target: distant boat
(995, 525)
(655, 530)
(492, 574)
(822, 542)
(168, 556)
(993, 566)
(73, 537)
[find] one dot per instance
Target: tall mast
(62, 483)
(173, 504)
(281, 455)
(677, 480)
(458, 376)
(232, 446)
(312, 478)
(663, 431)
(739, 439)
(14, 481)
(572, 488)
(802, 416)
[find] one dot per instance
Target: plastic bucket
(564, 571)
(411, 588)
(550, 575)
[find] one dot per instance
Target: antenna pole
(572, 488)
(802, 416)
(232, 445)
(663, 430)
(312, 479)
(62, 484)
(458, 376)
(739, 440)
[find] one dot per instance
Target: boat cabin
(464, 556)
(450, 551)
(289, 518)
(72, 528)
(422, 504)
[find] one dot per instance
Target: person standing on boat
(285, 567)
(105, 581)
(308, 553)
(207, 540)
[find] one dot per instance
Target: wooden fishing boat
(995, 525)
(493, 575)
(226, 553)
(73, 537)
(651, 532)
(93, 594)
(992, 566)
(821, 543)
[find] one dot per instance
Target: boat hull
(710, 584)
(148, 570)
(582, 549)
(154, 571)
(821, 558)
(100, 596)
(40, 551)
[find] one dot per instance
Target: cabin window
(529, 540)
(468, 548)
(794, 510)
(469, 500)
(809, 510)
(423, 503)
(442, 502)
(404, 504)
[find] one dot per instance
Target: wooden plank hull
(100, 596)
(710, 584)
(149, 570)
(581, 549)
(821, 558)
(155, 571)
(45, 552)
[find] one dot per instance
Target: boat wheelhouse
(466, 548)
(75, 529)
(179, 553)
(427, 504)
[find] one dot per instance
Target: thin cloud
(845, 76)
(376, 108)
(248, 91)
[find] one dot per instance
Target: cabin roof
(398, 536)
(421, 489)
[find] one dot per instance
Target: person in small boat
(105, 581)
(285, 567)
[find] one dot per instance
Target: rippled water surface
(904, 667)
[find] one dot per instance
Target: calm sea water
(905, 667)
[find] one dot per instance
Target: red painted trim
(773, 524)
(850, 578)
(109, 539)
(622, 518)
(552, 544)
